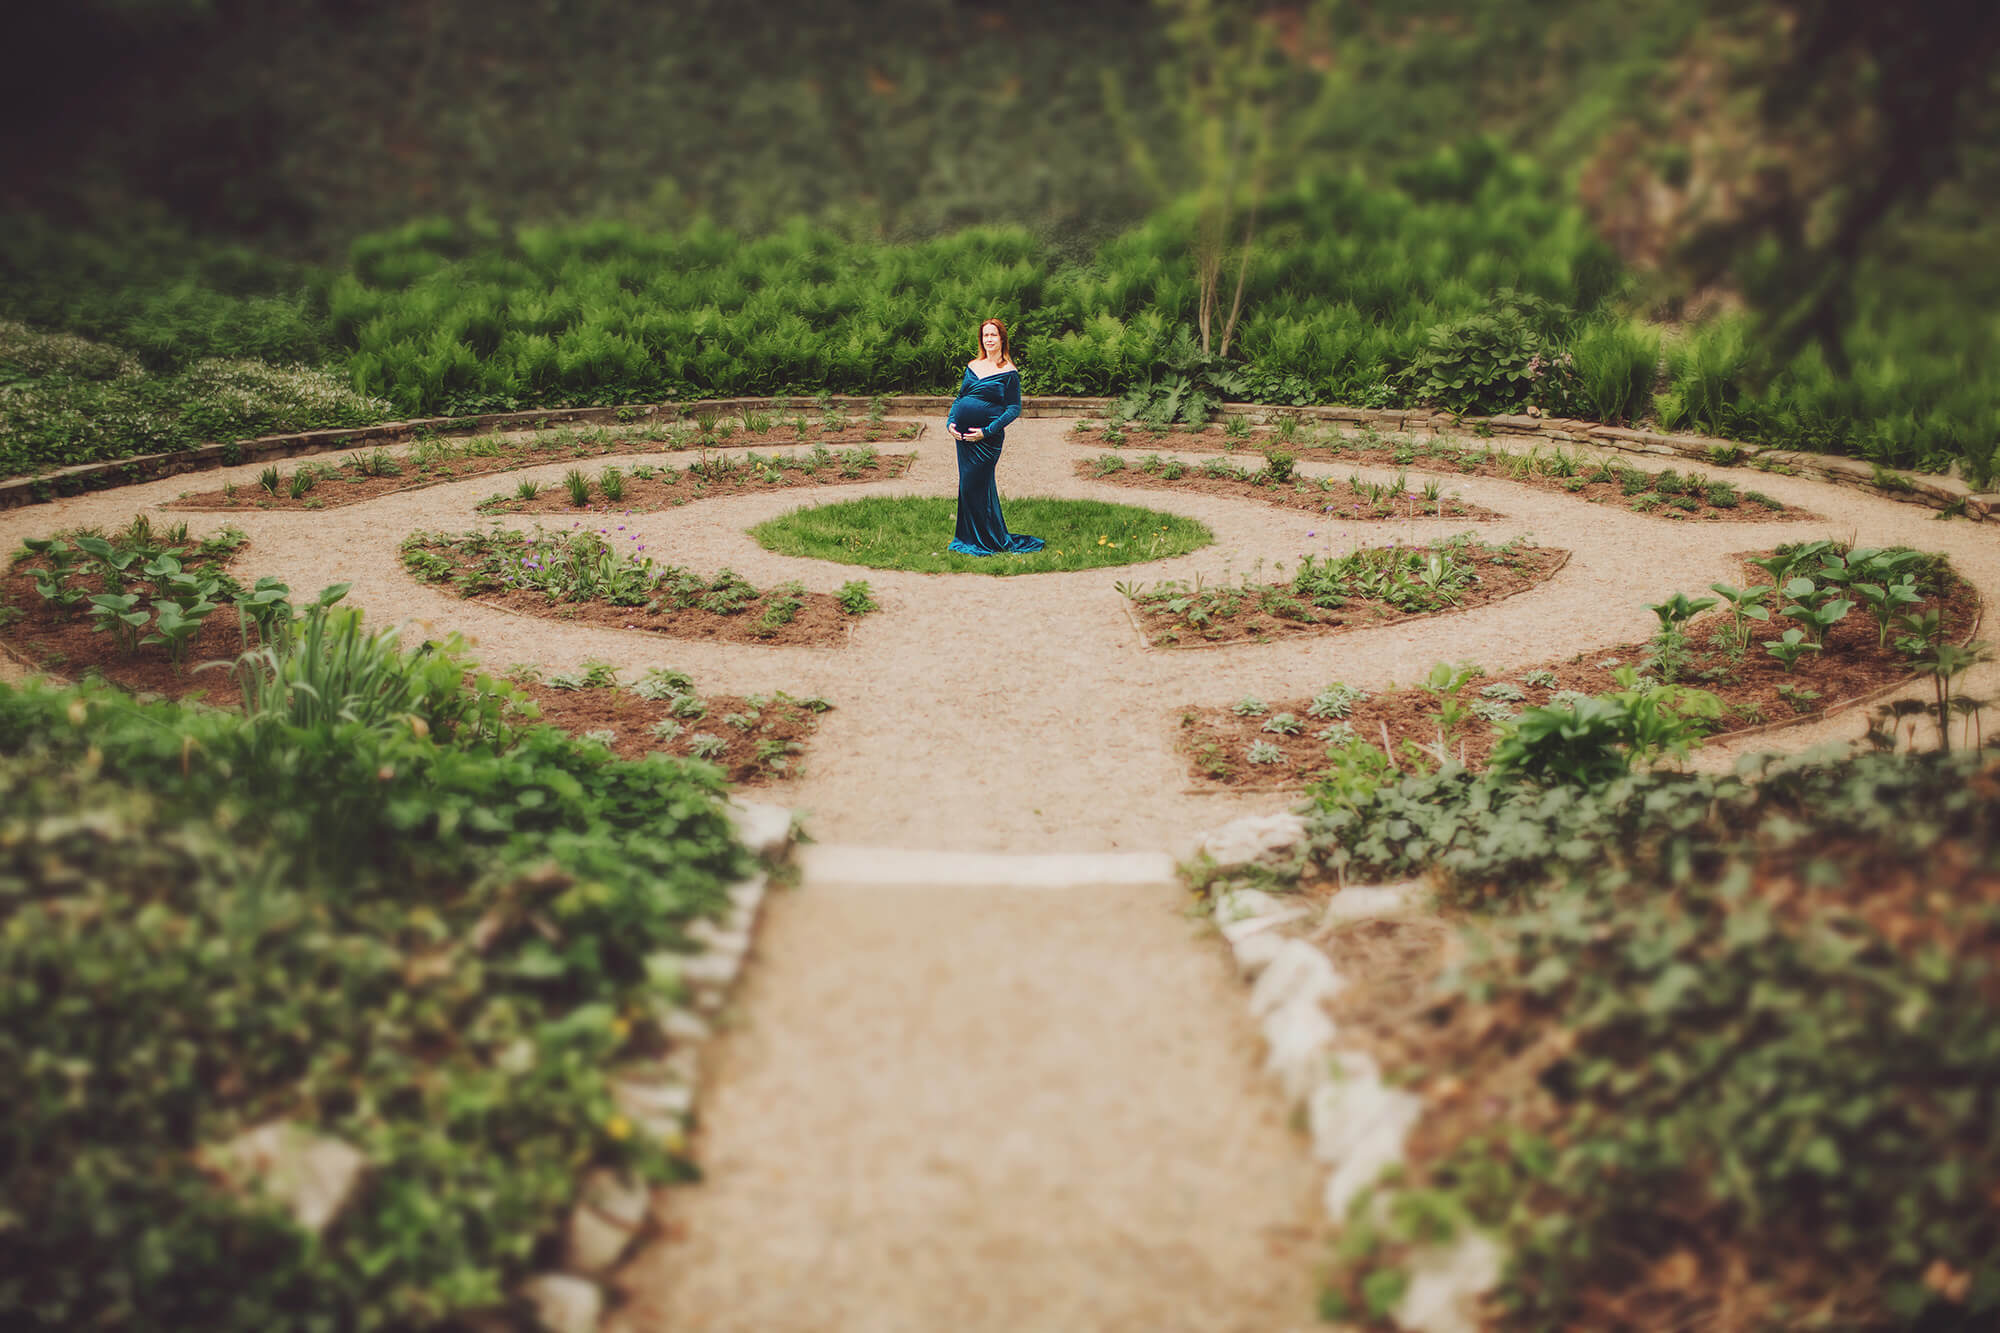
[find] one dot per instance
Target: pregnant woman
(989, 397)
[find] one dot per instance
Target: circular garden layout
(696, 589)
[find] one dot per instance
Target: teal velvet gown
(989, 403)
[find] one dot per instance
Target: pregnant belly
(968, 413)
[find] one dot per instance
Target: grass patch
(912, 532)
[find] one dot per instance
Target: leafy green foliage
(426, 945)
(1747, 1016)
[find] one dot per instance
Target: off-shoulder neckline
(1010, 370)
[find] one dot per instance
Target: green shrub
(1480, 363)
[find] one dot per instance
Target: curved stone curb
(658, 1096)
(1942, 493)
(1359, 1124)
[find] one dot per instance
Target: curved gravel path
(979, 713)
(999, 1108)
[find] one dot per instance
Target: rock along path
(982, 1094)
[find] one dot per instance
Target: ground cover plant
(912, 532)
(647, 488)
(752, 738)
(602, 576)
(434, 458)
(66, 399)
(1793, 645)
(1353, 499)
(1717, 1050)
(415, 928)
(1589, 475)
(1365, 586)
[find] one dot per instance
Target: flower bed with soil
(647, 489)
(1353, 500)
(1370, 586)
(1595, 478)
(754, 738)
(592, 577)
(432, 461)
(1460, 715)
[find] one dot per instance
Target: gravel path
(1000, 1109)
(1020, 714)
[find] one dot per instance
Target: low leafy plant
(1790, 646)
(856, 598)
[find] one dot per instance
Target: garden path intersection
(969, 1091)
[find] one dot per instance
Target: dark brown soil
(69, 646)
(671, 487)
(1755, 690)
(817, 621)
(778, 723)
(1502, 573)
(1337, 500)
(345, 482)
(1470, 458)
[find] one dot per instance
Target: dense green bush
(427, 943)
(1490, 295)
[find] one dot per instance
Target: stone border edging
(1942, 493)
(1359, 1125)
(611, 1214)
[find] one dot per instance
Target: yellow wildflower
(620, 1027)
(618, 1127)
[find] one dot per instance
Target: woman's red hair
(1006, 348)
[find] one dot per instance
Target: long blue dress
(990, 403)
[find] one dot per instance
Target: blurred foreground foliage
(1723, 1050)
(425, 939)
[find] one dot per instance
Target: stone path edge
(1358, 1124)
(658, 1097)
(1944, 493)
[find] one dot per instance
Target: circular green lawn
(912, 532)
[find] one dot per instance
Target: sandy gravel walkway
(1002, 1109)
